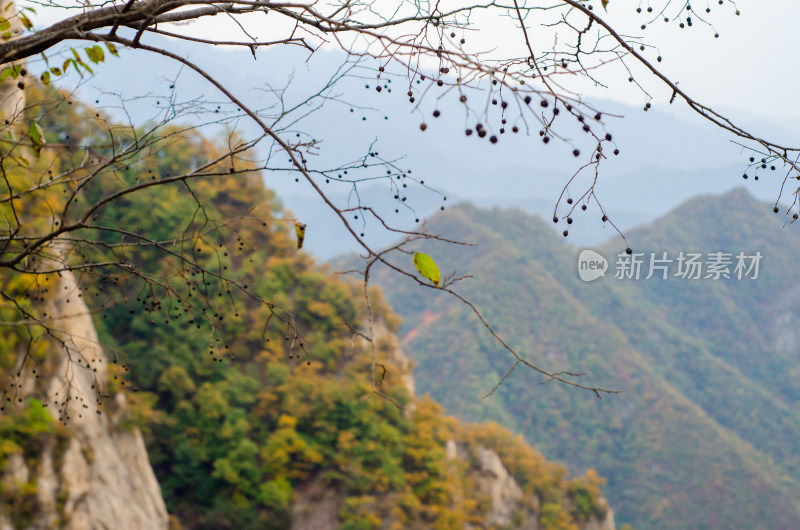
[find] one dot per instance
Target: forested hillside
(705, 430)
(276, 410)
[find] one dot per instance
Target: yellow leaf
(300, 230)
(605, 4)
(427, 268)
(25, 21)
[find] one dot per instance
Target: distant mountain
(660, 149)
(705, 431)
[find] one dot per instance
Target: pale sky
(751, 67)
(748, 73)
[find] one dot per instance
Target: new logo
(591, 265)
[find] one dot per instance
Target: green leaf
(66, 64)
(427, 268)
(5, 25)
(10, 71)
(55, 71)
(101, 56)
(112, 49)
(45, 77)
(36, 135)
(95, 54)
(91, 54)
(86, 66)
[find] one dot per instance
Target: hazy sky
(746, 73)
(750, 67)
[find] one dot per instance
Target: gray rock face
(103, 478)
(509, 506)
(501, 487)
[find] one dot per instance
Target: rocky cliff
(510, 507)
(66, 459)
(90, 471)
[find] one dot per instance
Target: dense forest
(263, 408)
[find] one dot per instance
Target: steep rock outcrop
(509, 508)
(94, 473)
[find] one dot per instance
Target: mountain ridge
(698, 415)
